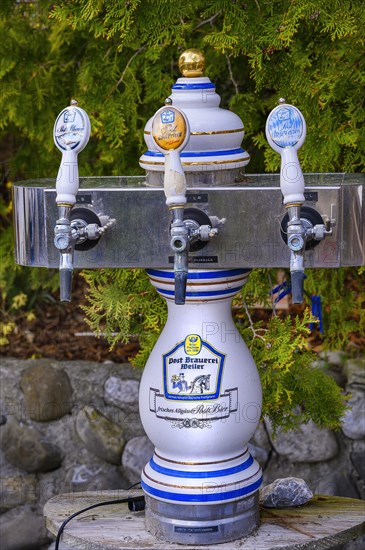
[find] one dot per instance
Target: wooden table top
(324, 522)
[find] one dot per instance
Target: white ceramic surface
(200, 396)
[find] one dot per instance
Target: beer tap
(171, 132)
(286, 132)
(71, 134)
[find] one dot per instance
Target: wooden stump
(324, 522)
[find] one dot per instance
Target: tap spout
(64, 241)
(66, 269)
(296, 243)
(180, 245)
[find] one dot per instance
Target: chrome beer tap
(171, 132)
(286, 132)
(71, 134)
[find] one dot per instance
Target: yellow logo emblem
(193, 344)
(169, 128)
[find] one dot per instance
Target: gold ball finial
(192, 63)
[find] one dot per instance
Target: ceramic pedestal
(200, 403)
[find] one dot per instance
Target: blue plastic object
(317, 312)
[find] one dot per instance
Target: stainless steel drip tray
(250, 237)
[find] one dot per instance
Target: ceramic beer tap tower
(191, 221)
(200, 395)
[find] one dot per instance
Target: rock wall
(74, 426)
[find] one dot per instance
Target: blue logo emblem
(192, 370)
(167, 116)
(69, 116)
(285, 126)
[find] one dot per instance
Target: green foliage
(342, 292)
(294, 391)
(119, 59)
(309, 52)
(122, 304)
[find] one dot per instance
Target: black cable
(133, 485)
(135, 504)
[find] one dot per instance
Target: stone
(259, 453)
(26, 448)
(308, 443)
(357, 544)
(337, 483)
(260, 437)
(353, 424)
(93, 477)
(23, 529)
(130, 420)
(358, 458)
(354, 371)
(260, 446)
(3, 417)
(47, 391)
(61, 546)
(285, 492)
(137, 453)
(121, 392)
(336, 358)
(100, 436)
(17, 490)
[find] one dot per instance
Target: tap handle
(174, 180)
(171, 133)
(285, 131)
(71, 133)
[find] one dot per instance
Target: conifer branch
(210, 21)
(252, 326)
(231, 74)
(129, 62)
(313, 57)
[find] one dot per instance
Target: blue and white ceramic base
(200, 403)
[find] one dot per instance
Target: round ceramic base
(200, 524)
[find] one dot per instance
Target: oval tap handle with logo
(171, 132)
(285, 131)
(71, 134)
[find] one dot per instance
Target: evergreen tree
(118, 58)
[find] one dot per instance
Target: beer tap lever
(285, 132)
(171, 131)
(71, 134)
